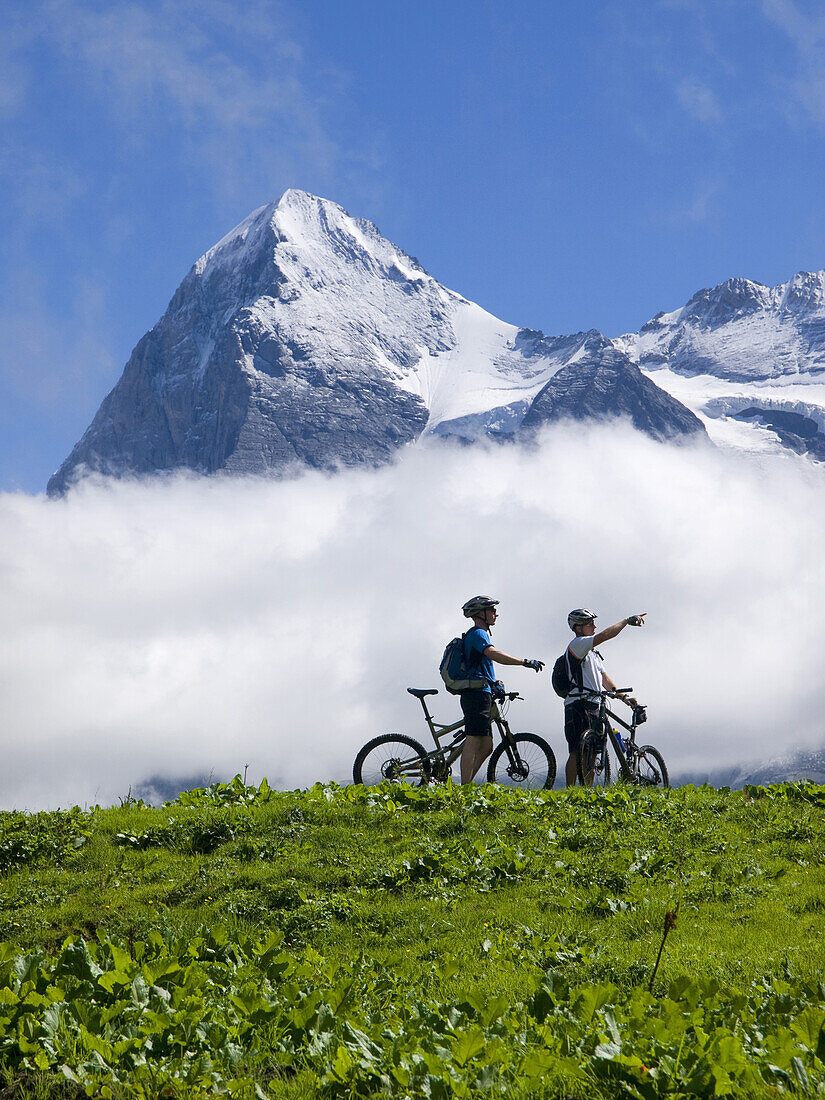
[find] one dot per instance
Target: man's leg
(473, 754)
(584, 724)
(478, 743)
(574, 724)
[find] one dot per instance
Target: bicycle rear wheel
(532, 768)
(392, 757)
(593, 760)
(648, 767)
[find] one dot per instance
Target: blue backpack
(455, 671)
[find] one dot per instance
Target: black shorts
(477, 707)
(579, 717)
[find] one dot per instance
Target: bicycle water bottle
(620, 740)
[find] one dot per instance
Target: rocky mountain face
(748, 358)
(741, 331)
(600, 377)
(304, 337)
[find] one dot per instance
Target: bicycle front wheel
(530, 764)
(649, 769)
(393, 757)
(594, 761)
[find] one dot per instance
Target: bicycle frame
(451, 752)
(621, 755)
(522, 760)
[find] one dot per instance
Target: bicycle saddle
(419, 693)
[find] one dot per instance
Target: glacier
(744, 347)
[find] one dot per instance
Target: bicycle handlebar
(606, 694)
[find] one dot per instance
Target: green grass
(400, 942)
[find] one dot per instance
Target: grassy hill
(352, 942)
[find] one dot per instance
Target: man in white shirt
(586, 667)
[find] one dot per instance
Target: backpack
(454, 669)
(566, 675)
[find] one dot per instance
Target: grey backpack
(455, 671)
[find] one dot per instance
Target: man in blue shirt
(476, 704)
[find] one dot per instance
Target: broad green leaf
(493, 1009)
(808, 1026)
(591, 998)
(342, 1064)
(111, 980)
(358, 1042)
(468, 1044)
(76, 960)
(538, 1063)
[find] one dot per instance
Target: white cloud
(186, 626)
(234, 86)
(226, 98)
(697, 207)
(806, 31)
(699, 100)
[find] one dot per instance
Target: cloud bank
(188, 626)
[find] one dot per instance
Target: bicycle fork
(516, 769)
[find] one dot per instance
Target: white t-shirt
(591, 664)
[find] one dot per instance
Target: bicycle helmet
(579, 616)
(478, 603)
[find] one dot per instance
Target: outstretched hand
(536, 666)
(636, 620)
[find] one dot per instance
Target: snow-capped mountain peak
(748, 358)
(732, 299)
(805, 291)
(306, 337)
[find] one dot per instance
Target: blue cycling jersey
(475, 642)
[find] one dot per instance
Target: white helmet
(477, 604)
(580, 616)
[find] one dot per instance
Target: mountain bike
(519, 760)
(639, 764)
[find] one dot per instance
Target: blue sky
(567, 166)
